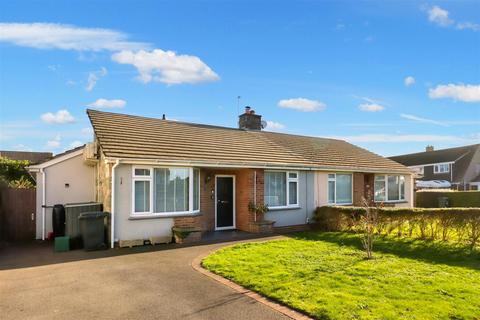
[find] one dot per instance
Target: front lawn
(326, 276)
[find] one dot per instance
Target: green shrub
(459, 224)
(14, 174)
(457, 199)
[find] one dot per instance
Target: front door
(225, 202)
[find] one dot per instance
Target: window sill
(284, 208)
(162, 215)
(340, 204)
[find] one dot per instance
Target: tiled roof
(438, 156)
(133, 137)
(32, 157)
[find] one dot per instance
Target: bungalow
(154, 174)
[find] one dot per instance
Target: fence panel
(17, 214)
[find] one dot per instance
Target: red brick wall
(244, 193)
(358, 188)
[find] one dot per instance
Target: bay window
(339, 188)
(165, 190)
(389, 188)
(281, 188)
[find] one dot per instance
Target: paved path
(117, 284)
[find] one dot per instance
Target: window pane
(142, 172)
(160, 187)
(142, 196)
(379, 188)
(331, 177)
(292, 175)
(171, 189)
(180, 176)
(292, 195)
(331, 191)
(275, 189)
(393, 187)
(196, 189)
(402, 188)
(344, 188)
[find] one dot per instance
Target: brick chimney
(249, 120)
(429, 148)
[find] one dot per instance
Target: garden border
(293, 314)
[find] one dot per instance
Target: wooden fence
(17, 214)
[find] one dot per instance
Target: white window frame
(436, 168)
(151, 181)
(385, 176)
(287, 188)
(334, 179)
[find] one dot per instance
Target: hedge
(458, 224)
(457, 199)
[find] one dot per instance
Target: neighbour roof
(133, 137)
(32, 157)
(437, 156)
(58, 158)
(462, 156)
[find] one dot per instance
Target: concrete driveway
(145, 282)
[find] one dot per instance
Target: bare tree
(368, 223)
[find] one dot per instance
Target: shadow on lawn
(423, 250)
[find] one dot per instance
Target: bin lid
(92, 215)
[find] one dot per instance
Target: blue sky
(389, 76)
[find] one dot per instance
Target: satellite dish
(264, 124)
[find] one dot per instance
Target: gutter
(256, 166)
(112, 205)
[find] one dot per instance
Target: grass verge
(327, 276)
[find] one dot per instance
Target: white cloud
(66, 37)
(302, 104)
(401, 138)
(468, 25)
(462, 92)
(272, 125)
(93, 77)
(422, 120)
(409, 81)
(439, 16)
(166, 66)
(55, 142)
(371, 107)
(104, 103)
(75, 144)
(61, 117)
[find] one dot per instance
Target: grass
(327, 276)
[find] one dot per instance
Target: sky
(389, 76)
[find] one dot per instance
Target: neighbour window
(166, 190)
(441, 168)
(339, 188)
(389, 188)
(281, 188)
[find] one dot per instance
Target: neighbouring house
(154, 174)
(31, 157)
(457, 168)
